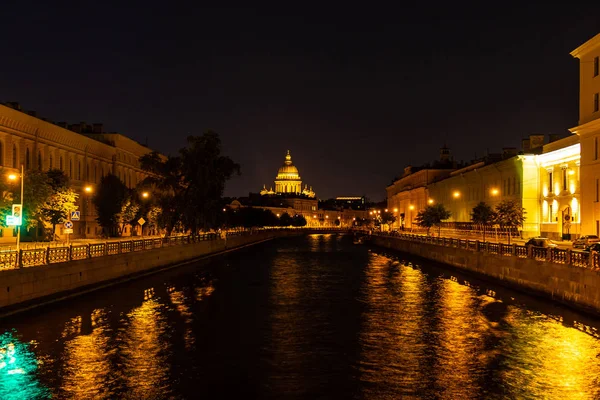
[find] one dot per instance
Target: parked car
(541, 242)
(583, 241)
(593, 247)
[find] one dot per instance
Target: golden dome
(288, 171)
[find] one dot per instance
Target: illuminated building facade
(84, 152)
(588, 131)
(409, 194)
(288, 181)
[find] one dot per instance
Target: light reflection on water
(314, 317)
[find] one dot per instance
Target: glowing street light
(494, 192)
(430, 201)
(14, 177)
(146, 195)
(456, 194)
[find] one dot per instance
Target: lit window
(596, 99)
(596, 68)
(549, 181)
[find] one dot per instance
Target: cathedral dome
(288, 171)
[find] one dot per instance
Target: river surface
(316, 317)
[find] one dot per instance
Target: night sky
(355, 92)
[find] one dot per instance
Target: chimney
(553, 137)
(536, 141)
(98, 128)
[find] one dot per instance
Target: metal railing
(52, 254)
(577, 258)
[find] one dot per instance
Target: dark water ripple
(302, 318)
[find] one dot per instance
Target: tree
(166, 182)
(108, 201)
(129, 210)
(298, 220)
(510, 214)
(483, 214)
(387, 218)
(285, 220)
(205, 172)
(37, 190)
(61, 202)
(431, 216)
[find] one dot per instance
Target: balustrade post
(105, 248)
(548, 254)
(591, 260)
(568, 257)
(119, 247)
(131, 248)
(88, 251)
(477, 246)
(514, 249)
(47, 255)
(70, 250)
(20, 259)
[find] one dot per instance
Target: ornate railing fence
(577, 258)
(10, 259)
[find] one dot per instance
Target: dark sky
(355, 92)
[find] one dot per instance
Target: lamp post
(88, 190)
(13, 177)
(145, 196)
(411, 208)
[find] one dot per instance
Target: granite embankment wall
(572, 285)
(24, 288)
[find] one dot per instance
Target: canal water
(317, 317)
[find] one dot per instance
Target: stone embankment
(34, 277)
(567, 276)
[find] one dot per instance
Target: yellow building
(409, 194)
(85, 153)
(560, 189)
(588, 131)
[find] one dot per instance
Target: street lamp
(411, 208)
(456, 194)
(88, 190)
(494, 192)
(145, 195)
(430, 201)
(14, 177)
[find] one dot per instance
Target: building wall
(588, 130)
(37, 144)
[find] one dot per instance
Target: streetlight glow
(13, 177)
(88, 189)
(430, 201)
(494, 192)
(456, 194)
(145, 195)
(395, 210)
(411, 207)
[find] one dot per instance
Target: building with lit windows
(409, 193)
(84, 152)
(544, 181)
(588, 131)
(560, 190)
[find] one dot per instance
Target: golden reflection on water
(461, 334)
(545, 359)
(87, 368)
(144, 346)
(392, 341)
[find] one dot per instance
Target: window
(39, 161)
(27, 159)
(50, 162)
(14, 156)
(565, 179)
(597, 189)
(70, 168)
(87, 172)
(550, 213)
(549, 181)
(596, 99)
(79, 170)
(596, 68)
(61, 163)
(595, 148)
